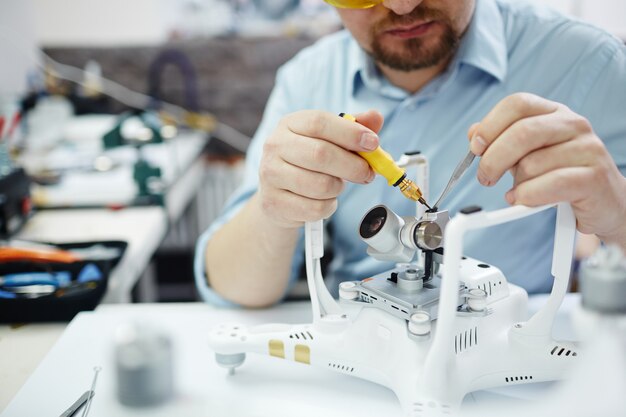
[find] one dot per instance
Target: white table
(263, 386)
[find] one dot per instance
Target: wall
(608, 14)
(100, 22)
(149, 22)
(234, 76)
(17, 46)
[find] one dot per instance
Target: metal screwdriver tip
(421, 200)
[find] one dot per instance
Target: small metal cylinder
(410, 280)
(144, 366)
(477, 299)
(348, 290)
(420, 324)
(428, 235)
(603, 281)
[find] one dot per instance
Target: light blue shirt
(508, 48)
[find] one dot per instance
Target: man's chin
(407, 61)
(412, 56)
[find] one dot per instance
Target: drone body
(432, 333)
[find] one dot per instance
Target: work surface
(262, 386)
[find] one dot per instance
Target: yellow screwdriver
(383, 164)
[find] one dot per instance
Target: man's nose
(401, 7)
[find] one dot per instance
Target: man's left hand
(554, 155)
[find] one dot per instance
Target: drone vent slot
(418, 409)
(466, 340)
(340, 367)
(301, 335)
(513, 379)
(562, 351)
(490, 287)
(485, 288)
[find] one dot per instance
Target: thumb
(371, 119)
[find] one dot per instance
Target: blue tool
(60, 279)
(7, 294)
(90, 272)
(57, 279)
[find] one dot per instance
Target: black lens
(373, 222)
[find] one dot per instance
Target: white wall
(608, 14)
(100, 22)
(148, 22)
(17, 46)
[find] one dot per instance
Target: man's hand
(306, 160)
(553, 155)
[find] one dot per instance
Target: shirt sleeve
(279, 104)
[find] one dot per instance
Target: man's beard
(415, 53)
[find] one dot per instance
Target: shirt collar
(483, 46)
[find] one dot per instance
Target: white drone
(458, 329)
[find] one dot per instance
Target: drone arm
(441, 353)
(540, 325)
(322, 302)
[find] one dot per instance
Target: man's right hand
(306, 161)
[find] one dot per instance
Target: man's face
(408, 35)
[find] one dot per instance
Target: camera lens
(373, 222)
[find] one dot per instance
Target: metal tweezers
(456, 175)
(78, 404)
(85, 398)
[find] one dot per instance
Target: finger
(472, 130)
(332, 128)
(504, 114)
(371, 119)
(570, 153)
(296, 208)
(566, 184)
(521, 138)
(321, 156)
(304, 182)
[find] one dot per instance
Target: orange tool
(8, 254)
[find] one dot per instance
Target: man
(538, 96)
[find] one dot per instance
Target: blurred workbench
(142, 227)
(231, 78)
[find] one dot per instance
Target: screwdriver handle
(383, 164)
(381, 161)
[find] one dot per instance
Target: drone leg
(230, 361)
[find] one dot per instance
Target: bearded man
(540, 97)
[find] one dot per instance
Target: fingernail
(369, 141)
(478, 145)
(371, 177)
(510, 197)
(483, 180)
